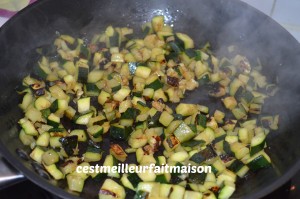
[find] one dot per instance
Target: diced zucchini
(26, 139)
(230, 102)
(257, 143)
(27, 99)
(158, 23)
(137, 139)
(111, 189)
(154, 83)
(141, 194)
(171, 142)
(112, 37)
(84, 104)
(192, 194)
(227, 190)
(243, 135)
(184, 133)
(179, 156)
(80, 134)
(109, 162)
(43, 139)
(143, 71)
(103, 97)
(234, 86)
(148, 93)
(205, 154)
(187, 41)
(121, 94)
(75, 182)
(28, 127)
(37, 154)
(50, 157)
(134, 179)
(84, 118)
(69, 144)
(69, 67)
(91, 89)
(54, 141)
(59, 104)
(166, 118)
(42, 103)
(207, 135)
(118, 152)
(58, 93)
(92, 154)
(126, 183)
(134, 81)
(41, 70)
(243, 171)
(197, 178)
(239, 113)
(54, 171)
(119, 132)
(177, 47)
(67, 38)
(53, 120)
(70, 112)
(151, 188)
(186, 109)
(163, 178)
(231, 138)
(258, 161)
(95, 132)
(83, 70)
(94, 76)
(193, 143)
(201, 120)
(147, 175)
(177, 193)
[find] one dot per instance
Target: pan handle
(8, 174)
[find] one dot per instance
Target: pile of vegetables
(122, 88)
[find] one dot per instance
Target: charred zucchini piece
(110, 190)
(69, 144)
(171, 142)
(205, 154)
(119, 132)
(118, 152)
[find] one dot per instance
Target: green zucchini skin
(203, 155)
(134, 179)
(69, 144)
(119, 132)
(141, 195)
(257, 144)
(259, 161)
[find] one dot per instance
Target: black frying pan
(221, 22)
